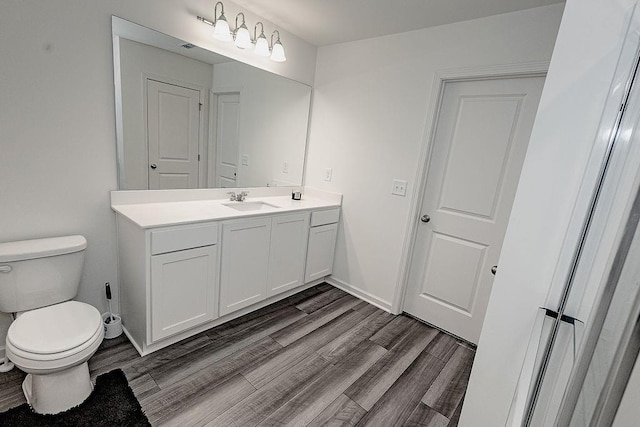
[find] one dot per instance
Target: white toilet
(52, 337)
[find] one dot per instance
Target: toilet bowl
(52, 345)
(52, 336)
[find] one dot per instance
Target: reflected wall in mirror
(187, 117)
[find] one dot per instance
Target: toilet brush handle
(108, 289)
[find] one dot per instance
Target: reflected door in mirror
(227, 127)
(173, 123)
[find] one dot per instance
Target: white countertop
(167, 213)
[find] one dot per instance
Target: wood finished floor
(320, 357)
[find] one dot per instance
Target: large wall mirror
(187, 117)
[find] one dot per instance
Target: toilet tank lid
(40, 248)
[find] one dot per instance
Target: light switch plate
(285, 167)
(399, 187)
(245, 160)
(327, 174)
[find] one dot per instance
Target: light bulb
(262, 46)
(221, 29)
(277, 53)
(243, 38)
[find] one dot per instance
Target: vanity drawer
(328, 216)
(184, 237)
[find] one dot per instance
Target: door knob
(153, 166)
(494, 269)
(425, 218)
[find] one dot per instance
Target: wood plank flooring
(320, 357)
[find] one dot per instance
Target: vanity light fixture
(241, 34)
(220, 25)
(242, 37)
(277, 50)
(262, 45)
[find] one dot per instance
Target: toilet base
(58, 391)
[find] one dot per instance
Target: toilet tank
(41, 272)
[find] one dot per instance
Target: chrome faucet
(237, 197)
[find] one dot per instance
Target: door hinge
(198, 157)
(200, 106)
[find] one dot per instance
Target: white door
(479, 146)
(227, 137)
(173, 126)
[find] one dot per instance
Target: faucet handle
(232, 195)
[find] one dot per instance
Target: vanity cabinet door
(289, 235)
(322, 246)
(245, 263)
(182, 290)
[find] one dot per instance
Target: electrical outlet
(399, 187)
(244, 160)
(285, 167)
(327, 174)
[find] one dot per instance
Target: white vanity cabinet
(261, 258)
(182, 290)
(287, 254)
(245, 262)
(168, 279)
(322, 244)
(184, 274)
(185, 267)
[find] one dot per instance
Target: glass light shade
(243, 38)
(221, 30)
(262, 46)
(277, 53)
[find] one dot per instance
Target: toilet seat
(55, 337)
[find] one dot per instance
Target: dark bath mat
(112, 403)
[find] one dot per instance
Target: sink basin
(250, 206)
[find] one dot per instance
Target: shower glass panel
(583, 346)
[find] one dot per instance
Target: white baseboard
(359, 293)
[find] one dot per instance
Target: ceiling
(326, 22)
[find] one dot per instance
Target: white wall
(369, 123)
(57, 119)
(274, 116)
(572, 103)
(138, 60)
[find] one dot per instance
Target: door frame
(440, 79)
(202, 129)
